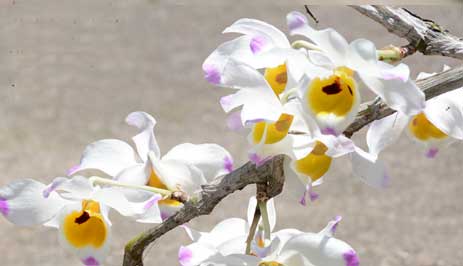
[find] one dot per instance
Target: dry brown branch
(424, 35)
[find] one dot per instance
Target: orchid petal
(446, 113)
(212, 159)
(176, 175)
(254, 27)
(401, 96)
(385, 131)
(115, 198)
(329, 40)
(370, 170)
(319, 250)
(93, 246)
(145, 141)
(22, 202)
(109, 156)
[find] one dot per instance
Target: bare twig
(424, 35)
(269, 174)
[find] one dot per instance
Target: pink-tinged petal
(295, 20)
(228, 164)
(90, 261)
(212, 74)
(313, 195)
(351, 258)
(432, 153)
(4, 208)
(226, 102)
(336, 221)
(184, 256)
(329, 131)
(257, 44)
(152, 201)
(164, 215)
(72, 170)
(400, 72)
(258, 160)
(234, 122)
(53, 186)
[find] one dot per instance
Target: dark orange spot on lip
(334, 88)
(82, 218)
(282, 78)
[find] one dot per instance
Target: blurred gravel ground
(71, 71)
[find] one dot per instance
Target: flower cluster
(295, 99)
(298, 98)
(141, 185)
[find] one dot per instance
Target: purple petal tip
(211, 74)
(228, 164)
(257, 44)
(234, 122)
(184, 256)
(302, 200)
(296, 20)
(313, 196)
(90, 261)
(72, 170)
(351, 258)
(255, 158)
(152, 201)
(4, 208)
(329, 131)
(336, 220)
(432, 153)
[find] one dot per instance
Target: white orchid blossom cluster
(295, 99)
(225, 244)
(298, 98)
(138, 184)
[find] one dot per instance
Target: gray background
(70, 72)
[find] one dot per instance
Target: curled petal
(145, 140)
(254, 27)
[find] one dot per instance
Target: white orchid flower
(184, 168)
(262, 46)
(289, 247)
(313, 157)
(439, 124)
(77, 209)
(227, 237)
(333, 101)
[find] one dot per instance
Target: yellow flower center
(333, 95)
(275, 131)
(155, 181)
(277, 78)
(422, 129)
(270, 263)
(86, 227)
(316, 163)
